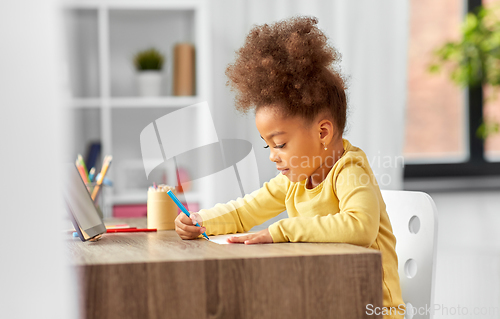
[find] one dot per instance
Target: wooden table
(159, 275)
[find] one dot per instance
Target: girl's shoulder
(353, 156)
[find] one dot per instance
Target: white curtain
(372, 37)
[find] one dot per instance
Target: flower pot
(149, 83)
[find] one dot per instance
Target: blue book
(93, 154)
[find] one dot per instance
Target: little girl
(285, 73)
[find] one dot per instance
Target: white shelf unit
(102, 38)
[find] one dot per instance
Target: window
(440, 137)
(435, 110)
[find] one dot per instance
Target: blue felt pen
(184, 210)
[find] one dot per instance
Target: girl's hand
(196, 218)
(184, 226)
(262, 237)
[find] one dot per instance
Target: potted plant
(149, 64)
(474, 60)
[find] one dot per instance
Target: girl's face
(295, 147)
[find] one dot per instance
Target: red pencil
(130, 230)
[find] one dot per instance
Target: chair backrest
(413, 216)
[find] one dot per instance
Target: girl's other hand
(262, 237)
(185, 228)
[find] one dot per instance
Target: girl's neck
(334, 152)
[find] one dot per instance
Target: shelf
(136, 102)
(132, 4)
(168, 101)
(131, 31)
(141, 197)
(85, 103)
(84, 125)
(102, 37)
(82, 48)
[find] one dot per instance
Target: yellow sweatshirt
(347, 207)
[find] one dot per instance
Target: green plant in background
(475, 58)
(150, 59)
(487, 128)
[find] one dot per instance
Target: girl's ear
(326, 131)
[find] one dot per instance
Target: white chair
(413, 217)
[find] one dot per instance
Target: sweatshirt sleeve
(242, 214)
(357, 221)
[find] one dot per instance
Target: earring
(324, 146)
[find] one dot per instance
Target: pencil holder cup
(99, 201)
(162, 210)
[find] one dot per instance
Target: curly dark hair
(289, 64)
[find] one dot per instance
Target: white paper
(222, 239)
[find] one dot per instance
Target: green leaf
(474, 57)
(487, 129)
(434, 68)
(150, 59)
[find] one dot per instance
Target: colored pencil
(104, 170)
(183, 209)
(130, 230)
